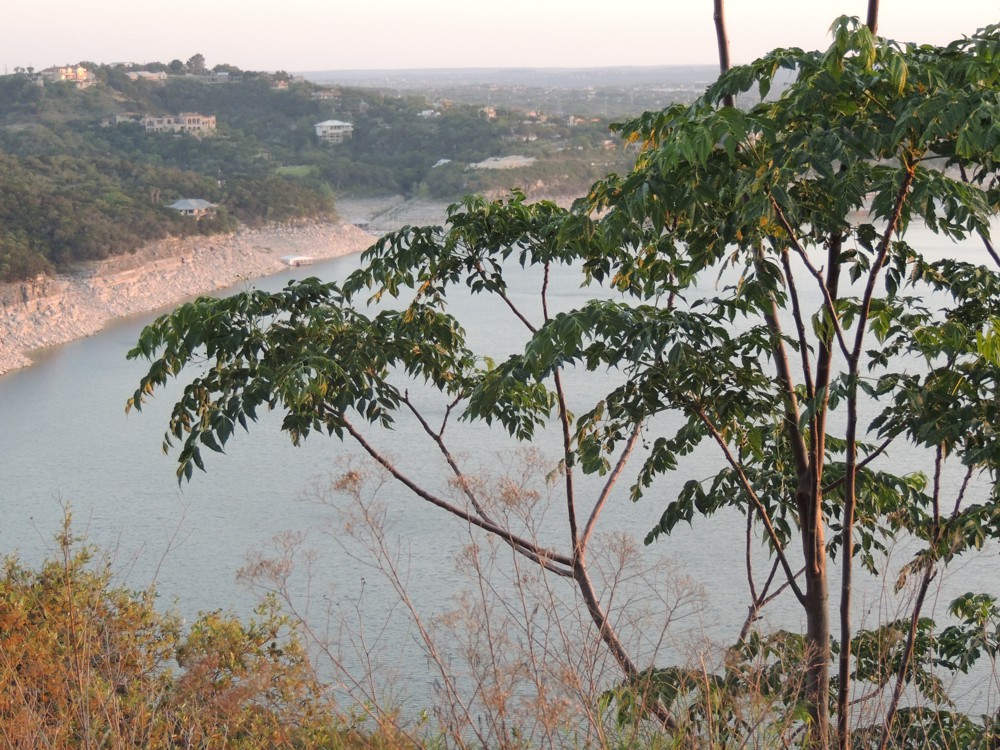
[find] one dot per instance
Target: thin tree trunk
(722, 40)
(872, 21)
(817, 610)
(847, 569)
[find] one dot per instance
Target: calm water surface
(67, 441)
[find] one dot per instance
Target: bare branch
(800, 328)
(831, 308)
(507, 301)
(548, 559)
(752, 496)
(609, 485)
(545, 291)
(764, 599)
(873, 273)
(749, 560)
(438, 440)
(610, 637)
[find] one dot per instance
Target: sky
(312, 35)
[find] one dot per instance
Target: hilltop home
(195, 207)
(146, 75)
(333, 131)
(75, 74)
(185, 122)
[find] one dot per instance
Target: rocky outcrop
(47, 311)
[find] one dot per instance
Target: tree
(800, 206)
(195, 63)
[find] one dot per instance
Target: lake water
(66, 440)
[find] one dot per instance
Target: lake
(67, 442)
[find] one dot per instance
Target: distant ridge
(672, 76)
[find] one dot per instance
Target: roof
(191, 204)
(334, 124)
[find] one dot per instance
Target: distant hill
(90, 170)
(615, 92)
(671, 76)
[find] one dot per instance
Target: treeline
(73, 189)
(56, 210)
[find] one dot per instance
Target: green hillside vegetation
(74, 189)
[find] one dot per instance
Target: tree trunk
(872, 20)
(722, 41)
(817, 686)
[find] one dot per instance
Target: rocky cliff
(49, 311)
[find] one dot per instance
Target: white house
(196, 207)
(78, 75)
(333, 131)
(185, 122)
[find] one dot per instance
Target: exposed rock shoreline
(49, 311)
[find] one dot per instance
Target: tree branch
(752, 496)
(828, 300)
(548, 559)
(795, 437)
(897, 690)
(873, 273)
(507, 301)
(861, 464)
(982, 235)
(758, 604)
(567, 438)
(609, 485)
(800, 328)
(438, 440)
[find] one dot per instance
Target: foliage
(85, 662)
(80, 190)
(799, 209)
(59, 209)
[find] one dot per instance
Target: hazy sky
(303, 35)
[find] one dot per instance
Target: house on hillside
(195, 207)
(184, 122)
(75, 74)
(147, 75)
(333, 131)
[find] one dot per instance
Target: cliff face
(25, 295)
(49, 311)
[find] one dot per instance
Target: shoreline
(49, 311)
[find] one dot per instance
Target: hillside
(83, 178)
